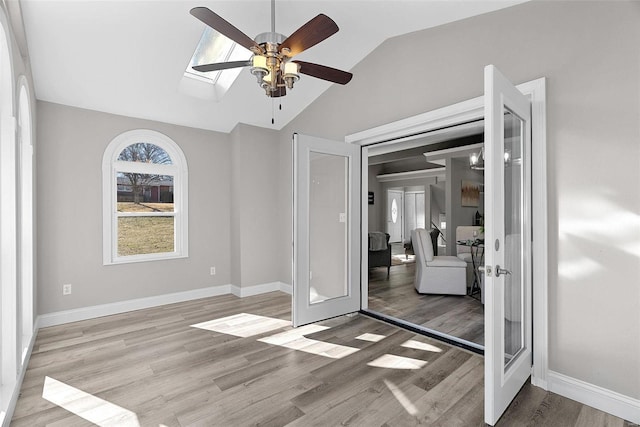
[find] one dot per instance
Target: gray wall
(589, 53)
(377, 210)
(458, 171)
(438, 202)
(71, 143)
(254, 206)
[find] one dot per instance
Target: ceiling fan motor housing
(269, 37)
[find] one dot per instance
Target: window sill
(144, 258)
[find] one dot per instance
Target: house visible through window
(145, 198)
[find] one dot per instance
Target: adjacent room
(416, 184)
(336, 213)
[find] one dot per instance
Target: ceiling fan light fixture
(476, 161)
(259, 67)
(268, 78)
(290, 74)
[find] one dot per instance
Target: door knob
(500, 271)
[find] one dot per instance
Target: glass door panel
(513, 208)
(328, 226)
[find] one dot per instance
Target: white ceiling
(128, 57)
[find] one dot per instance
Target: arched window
(8, 219)
(144, 182)
(26, 238)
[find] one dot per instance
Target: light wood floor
(153, 368)
(459, 316)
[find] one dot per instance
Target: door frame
(412, 128)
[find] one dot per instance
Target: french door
(507, 276)
(326, 273)
(326, 229)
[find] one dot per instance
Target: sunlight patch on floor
(295, 340)
(371, 337)
(87, 406)
(243, 325)
(391, 361)
(401, 398)
(418, 345)
(247, 325)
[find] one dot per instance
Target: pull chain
(273, 110)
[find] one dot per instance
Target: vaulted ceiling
(128, 57)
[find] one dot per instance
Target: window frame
(178, 170)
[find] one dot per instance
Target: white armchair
(436, 274)
(465, 232)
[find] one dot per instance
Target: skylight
(214, 47)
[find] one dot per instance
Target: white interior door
(326, 229)
(395, 206)
(508, 320)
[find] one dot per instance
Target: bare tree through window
(143, 152)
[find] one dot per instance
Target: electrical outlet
(212, 271)
(66, 289)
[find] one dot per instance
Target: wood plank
(154, 364)
(459, 316)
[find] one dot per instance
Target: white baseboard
(247, 291)
(597, 397)
(286, 288)
(92, 312)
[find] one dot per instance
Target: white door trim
(467, 111)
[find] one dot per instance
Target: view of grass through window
(145, 235)
(145, 211)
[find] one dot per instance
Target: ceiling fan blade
(310, 34)
(325, 73)
(221, 66)
(219, 24)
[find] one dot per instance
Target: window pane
(144, 152)
(139, 192)
(145, 235)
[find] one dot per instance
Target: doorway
(428, 174)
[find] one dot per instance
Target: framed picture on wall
(470, 194)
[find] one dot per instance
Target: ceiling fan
(272, 52)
